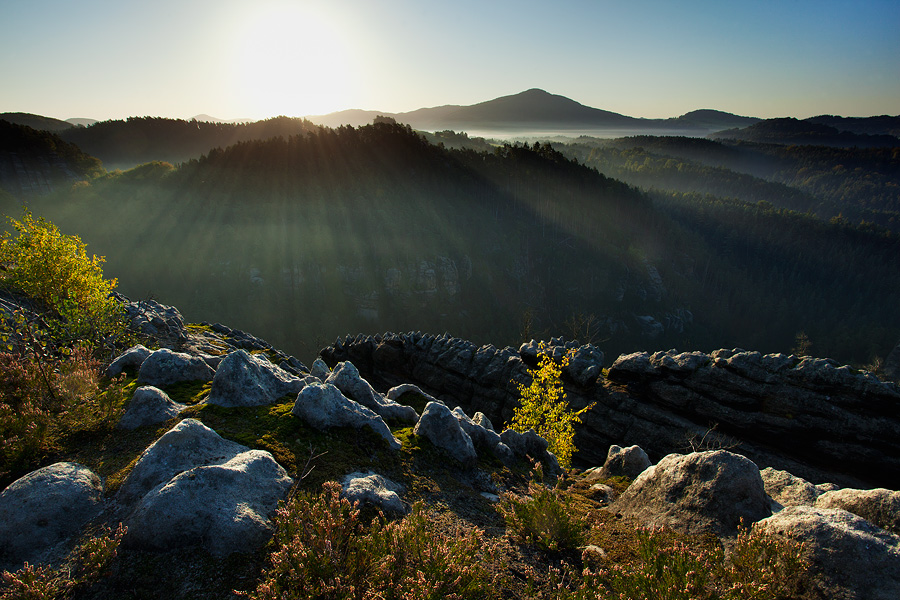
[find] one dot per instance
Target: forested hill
(122, 144)
(860, 185)
(36, 161)
(309, 237)
(793, 131)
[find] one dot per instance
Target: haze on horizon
(103, 59)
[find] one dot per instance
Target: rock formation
(43, 509)
(809, 416)
(701, 492)
(149, 405)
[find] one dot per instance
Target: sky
(105, 59)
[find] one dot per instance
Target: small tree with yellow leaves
(544, 408)
(55, 268)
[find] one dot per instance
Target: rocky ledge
(809, 416)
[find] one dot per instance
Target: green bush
(759, 567)
(546, 518)
(324, 549)
(56, 269)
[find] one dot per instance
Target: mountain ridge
(538, 109)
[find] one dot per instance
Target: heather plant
(325, 549)
(86, 564)
(543, 407)
(759, 567)
(43, 397)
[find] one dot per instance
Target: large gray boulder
(624, 462)
(245, 379)
(697, 493)
(45, 509)
(222, 508)
(481, 437)
(323, 406)
(375, 489)
(347, 379)
(132, 358)
(164, 367)
(787, 489)
(879, 506)
(187, 445)
(149, 405)
(442, 428)
(854, 559)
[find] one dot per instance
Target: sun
(290, 61)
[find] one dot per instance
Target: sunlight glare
(291, 61)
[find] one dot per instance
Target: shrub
(759, 567)
(55, 269)
(543, 407)
(546, 519)
(85, 565)
(323, 549)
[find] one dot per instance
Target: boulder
(697, 493)
(624, 462)
(158, 320)
(320, 369)
(187, 445)
(164, 367)
(347, 379)
(480, 436)
(481, 419)
(323, 406)
(879, 506)
(149, 405)
(788, 490)
(585, 364)
(44, 509)
(245, 379)
(853, 558)
(375, 489)
(223, 508)
(442, 428)
(132, 358)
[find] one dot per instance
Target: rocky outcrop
(323, 406)
(164, 367)
(187, 445)
(44, 509)
(346, 378)
(161, 322)
(223, 508)
(880, 506)
(825, 417)
(442, 428)
(374, 489)
(811, 417)
(245, 379)
(132, 359)
(697, 493)
(787, 489)
(149, 405)
(193, 488)
(624, 462)
(853, 558)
